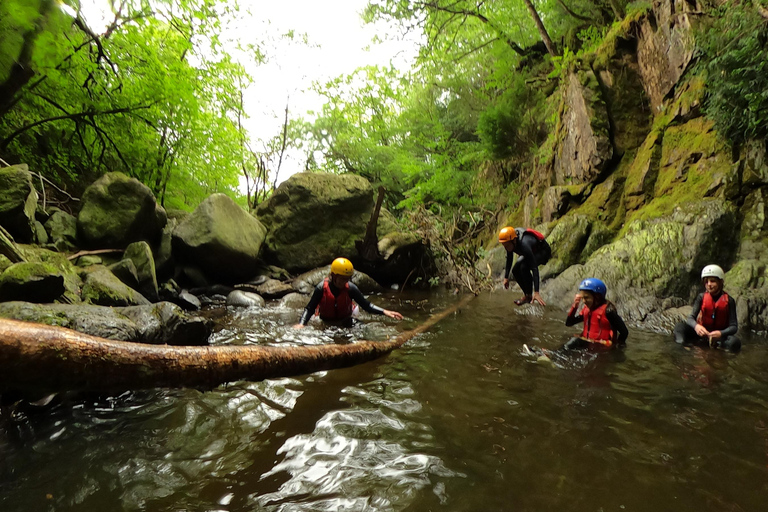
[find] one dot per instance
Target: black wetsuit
(617, 325)
(526, 269)
(685, 332)
(354, 293)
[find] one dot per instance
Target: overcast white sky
(341, 43)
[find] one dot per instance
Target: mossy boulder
(306, 282)
(18, 203)
(118, 210)
(31, 282)
(657, 258)
(314, 218)
(72, 280)
(103, 288)
(220, 238)
(567, 240)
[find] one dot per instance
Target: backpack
(542, 251)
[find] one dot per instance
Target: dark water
(457, 420)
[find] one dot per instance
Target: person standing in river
(603, 327)
(335, 300)
(713, 319)
(532, 250)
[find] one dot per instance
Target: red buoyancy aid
(335, 307)
(597, 328)
(521, 231)
(714, 315)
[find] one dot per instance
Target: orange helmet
(342, 267)
(507, 234)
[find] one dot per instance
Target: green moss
(620, 30)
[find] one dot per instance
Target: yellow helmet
(507, 234)
(342, 267)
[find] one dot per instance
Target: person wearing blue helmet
(603, 327)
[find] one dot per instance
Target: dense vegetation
(456, 138)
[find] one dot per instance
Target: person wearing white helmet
(713, 318)
(335, 298)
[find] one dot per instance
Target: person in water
(603, 327)
(532, 250)
(713, 318)
(334, 299)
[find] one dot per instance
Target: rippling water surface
(457, 420)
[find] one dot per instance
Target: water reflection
(458, 419)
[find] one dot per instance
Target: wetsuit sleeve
(733, 322)
(618, 325)
(314, 301)
(692, 319)
(573, 318)
(356, 295)
(525, 248)
(508, 264)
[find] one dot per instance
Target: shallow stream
(457, 420)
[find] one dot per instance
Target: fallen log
(45, 358)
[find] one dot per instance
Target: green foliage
(513, 124)
(735, 50)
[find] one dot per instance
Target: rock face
(220, 238)
(314, 218)
(586, 146)
(665, 47)
(117, 210)
(18, 202)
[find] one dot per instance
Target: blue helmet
(594, 285)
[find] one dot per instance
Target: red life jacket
(714, 315)
(597, 328)
(335, 307)
(522, 231)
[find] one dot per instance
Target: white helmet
(713, 271)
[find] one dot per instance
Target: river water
(459, 419)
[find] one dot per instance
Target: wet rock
(221, 239)
(125, 271)
(18, 202)
(156, 323)
(315, 217)
(118, 210)
(31, 282)
(240, 298)
(294, 301)
(270, 289)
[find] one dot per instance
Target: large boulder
(141, 255)
(313, 218)
(103, 288)
(220, 238)
(118, 210)
(655, 259)
(159, 323)
(62, 228)
(18, 202)
(31, 282)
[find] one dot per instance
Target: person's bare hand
(506, 284)
(701, 330)
(537, 298)
(393, 314)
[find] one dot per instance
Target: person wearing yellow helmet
(532, 250)
(335, 299)
(713, 318)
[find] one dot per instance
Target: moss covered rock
(31, 282)
(313, 218)
(220, 238)
(118, 210)
(103, 288)
(18, 202)
(141, 255)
